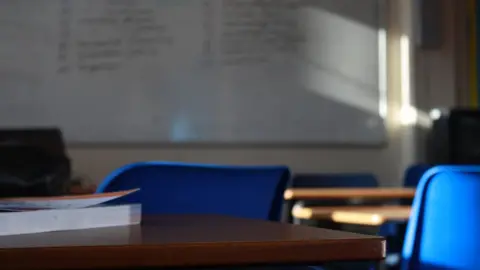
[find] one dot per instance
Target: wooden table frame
(348, 193)
(360, 215)
(292, 195)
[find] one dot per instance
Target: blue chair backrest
(334, 180)
(444, 228)
(181, 188)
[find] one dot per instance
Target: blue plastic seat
(444, 228)
(183, 188)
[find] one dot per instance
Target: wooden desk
(348, 193)
(186, 241)
(362, 215)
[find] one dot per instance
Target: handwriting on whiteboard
(250, 32)
(254, 29)
(130, 31)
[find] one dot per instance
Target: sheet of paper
(60, 202)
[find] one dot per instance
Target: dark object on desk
(464, 136)
(32, 163)
(30, 171)
(48, 139)
(437, 151)
(455, 138)
(187, 241)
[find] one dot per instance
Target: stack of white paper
(46, 214)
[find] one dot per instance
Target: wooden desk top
(348, 193)
(186, 241)
(362, 215)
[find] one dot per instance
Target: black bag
(27, 170)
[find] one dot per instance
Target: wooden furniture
(362, 215)
(186, 241)
(348, 193)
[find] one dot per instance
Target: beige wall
(435, 84)
(441, 71)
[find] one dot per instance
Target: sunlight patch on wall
(409, 115)
(345, 61)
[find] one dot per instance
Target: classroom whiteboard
(304, 71)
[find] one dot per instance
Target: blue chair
(182, 188)
(444, 229)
